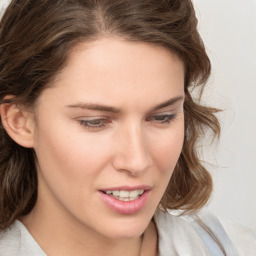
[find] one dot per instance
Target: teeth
(141, 191)
(124, 195)
(115, 193)
(133, 193)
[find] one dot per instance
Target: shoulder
(203, 234)
(243, 238)
(177, 237)
(10, 240)
(16, 240)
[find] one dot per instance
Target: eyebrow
(97, 107)
(104, 108)
(168, 103)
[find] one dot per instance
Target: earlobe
(18, 123)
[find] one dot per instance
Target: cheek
(167, 148)
(69, 164)
(167, 152)
(71, 154)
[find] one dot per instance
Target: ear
(18, 123)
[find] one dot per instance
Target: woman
(99, 131)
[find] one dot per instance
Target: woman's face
(108, 135)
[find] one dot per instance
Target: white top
(177, 237)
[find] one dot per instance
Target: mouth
(124, 195)
(125, 200)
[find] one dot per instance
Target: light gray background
(228, 28)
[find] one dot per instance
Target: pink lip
(126, 207)
(128, 188)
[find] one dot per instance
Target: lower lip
(125, 207)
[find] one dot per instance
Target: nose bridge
(132, 153)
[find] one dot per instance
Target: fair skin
(113, 118)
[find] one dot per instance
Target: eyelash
(162, 119)
(102, 122)
(89, 123)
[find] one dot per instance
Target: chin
(126, 233)
(126, 229)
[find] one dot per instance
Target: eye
(94, 123)
(166, 118)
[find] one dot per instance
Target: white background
(228, 28)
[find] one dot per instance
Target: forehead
(113, 51)
(112, 70)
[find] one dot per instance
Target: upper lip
(127, 188)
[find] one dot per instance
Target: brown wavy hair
(36, 37)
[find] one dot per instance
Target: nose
(132, 154)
